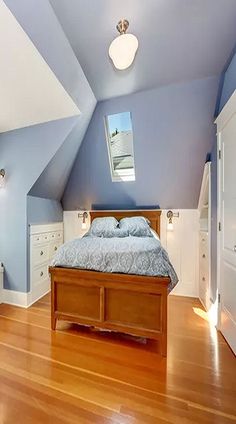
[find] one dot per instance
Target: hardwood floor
(76, 375)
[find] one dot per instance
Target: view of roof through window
(119, 135)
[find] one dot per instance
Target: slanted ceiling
(30, 92)
(180, 40)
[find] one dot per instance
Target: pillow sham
(136, 226)
(106, 227)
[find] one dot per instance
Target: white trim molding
(16, 298)
(21, 299)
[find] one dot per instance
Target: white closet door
(227, 250)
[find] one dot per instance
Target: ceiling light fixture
(124, 47)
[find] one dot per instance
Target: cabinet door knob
(55, 248)
(235, 248)
(203, 255)
(203, 279)
(41, 253)
(41, 273)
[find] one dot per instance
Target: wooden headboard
(153, 215)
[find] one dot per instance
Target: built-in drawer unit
(204, 207)
(204, 263)
(45, 239)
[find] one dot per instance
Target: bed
(126, 303)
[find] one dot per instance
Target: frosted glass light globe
(122, 50)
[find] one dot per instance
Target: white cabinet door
(227, 250)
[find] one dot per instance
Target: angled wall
(173, 131)
(24, 155)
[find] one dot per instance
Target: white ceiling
(30, 93)
(180, 40)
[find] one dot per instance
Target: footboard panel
(130, 304)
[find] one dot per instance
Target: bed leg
(53, 322)
(163, 346)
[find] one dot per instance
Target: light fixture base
(122, 26)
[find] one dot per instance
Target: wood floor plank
(106, 378)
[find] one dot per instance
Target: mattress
(128, 255)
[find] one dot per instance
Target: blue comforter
(129, 255)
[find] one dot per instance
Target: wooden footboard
(130, 304)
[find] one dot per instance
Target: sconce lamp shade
(170, 226)
(84, 225)
(2, 178)
(122, 50)
(85, 216)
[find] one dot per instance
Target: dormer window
(119, 135)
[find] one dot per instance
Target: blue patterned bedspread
(129, 255)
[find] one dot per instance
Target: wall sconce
(170, 223)
(2, 178)
(170, 215)
(83, 215)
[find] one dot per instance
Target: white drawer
(45, 237)
(59, 235)
(53, 236)
(203, 239)
(203, 255)
(40, 254)
(39, 275)
(40, 238)
(37, 238)
(53, 248)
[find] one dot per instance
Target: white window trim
(123, 176)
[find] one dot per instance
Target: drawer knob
(41, 253)
(235, 248)
(203, 279)
(55, 248)
(203, 255)
(41, 273)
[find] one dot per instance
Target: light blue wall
(229, 83)
(24, 154)
(51, 183)
(173, 132)
(43, 211)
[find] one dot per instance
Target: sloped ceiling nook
(30, 92)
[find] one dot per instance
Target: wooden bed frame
(131, 304)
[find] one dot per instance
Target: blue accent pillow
(106, 227)
(136, 226)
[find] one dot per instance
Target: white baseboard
(24, 300)
(187, 290)
(16, 298)
(39, 291)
